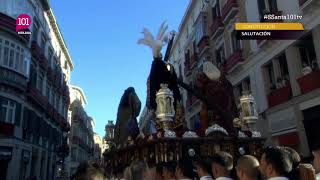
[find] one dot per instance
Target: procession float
(162, 134)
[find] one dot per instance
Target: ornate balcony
(309, 82)
(77, 140)
(233, 60)
(13, 78)
(36, 53)
(289, 139)
(50, 74)
(279, 96)
(216, 27)
(36, 95)
(6, 129)
(9, 24)
(203, 43)
(229, 10)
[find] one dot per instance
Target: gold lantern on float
(109, 131)
(248, 114)
(165, 110)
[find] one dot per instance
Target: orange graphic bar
(268, 26)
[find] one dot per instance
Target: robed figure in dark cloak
(128, 111)
(211, 86)
(161, 72)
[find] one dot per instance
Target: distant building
(99, 147)
(283, 76)
(81, 135)
(34, 91)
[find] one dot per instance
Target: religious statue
(216, 92)
(210, 86)
(126, 125)
(161, 73)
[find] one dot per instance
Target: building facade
(99, 148)
(280, 74)
(34, 94)
(81, 135)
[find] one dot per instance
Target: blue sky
(102, 39)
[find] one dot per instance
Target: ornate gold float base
(156, 151)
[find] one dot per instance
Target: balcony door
(311, 124)
(216, 10)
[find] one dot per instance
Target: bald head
(247, 166)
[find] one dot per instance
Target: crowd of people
(276, 163)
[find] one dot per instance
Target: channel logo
(23, 23)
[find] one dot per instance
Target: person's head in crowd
(275, 162)
(184, 169)
(222, 164)
(316, 159)
(168, 170)
(203, 166)
(294, 156)
(89, 171)
(139, 170)
(247, 168)
(127, 173)
(306, 172)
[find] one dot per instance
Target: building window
(43, 43)
(216, 10)
(235, 42)
(246, 85)
(40, 81)
(307, 55)
(35, 31)
(33, 74)
(57, 102)
(8, 109)
(201, 25)
(48, 93)
(220, 56)
(50, 53)
(270, 77)
(52, 98)
(242, 88)
(283, 65)
(12, 56)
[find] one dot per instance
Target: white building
(34, 94)
(288, 110)
(81, 135)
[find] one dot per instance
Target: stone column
(294, 67)
(316, 42)
(258, 89)
(276, 68)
